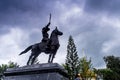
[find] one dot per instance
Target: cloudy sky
(94, 25)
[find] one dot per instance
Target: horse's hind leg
(29, 59)
(33, 59)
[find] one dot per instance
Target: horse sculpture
(36, 49)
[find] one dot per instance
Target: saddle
(45, 45)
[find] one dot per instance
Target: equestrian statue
(48, 45)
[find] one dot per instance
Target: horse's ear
(56, 28)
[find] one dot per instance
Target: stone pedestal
(47, 71)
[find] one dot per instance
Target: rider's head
(46, 28)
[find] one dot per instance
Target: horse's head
(57, 32)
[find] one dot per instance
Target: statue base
(46, 71)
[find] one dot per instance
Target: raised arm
(49, 21)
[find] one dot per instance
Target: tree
(105, 74)
(72, 59)
(113, 63)
(12, 65)
(3, 67)
(86, 68)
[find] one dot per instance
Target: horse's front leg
(53, 56)
(49, 58)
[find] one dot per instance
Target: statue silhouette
(36, 49)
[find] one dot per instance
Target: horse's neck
(54, 36)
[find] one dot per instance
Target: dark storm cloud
(105, 6)
(24, 5)
(91, 36)
(24, 12)
(94, 42)
(94, 33)
(3, 30)
(80, 18)
(7, 5)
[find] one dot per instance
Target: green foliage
(72, 59)
(113, 63)
(12, 65)
(106, 74)
(112, 72)
(74, 65)
(86, 68)
(3, 67)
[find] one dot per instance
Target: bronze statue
(48, 46)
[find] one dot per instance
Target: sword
(49, 21)
(50, 18)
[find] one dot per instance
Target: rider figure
(45, 33)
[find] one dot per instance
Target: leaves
(74, 65)
(86, 68)
(3, 67)
(113, 63)
(72, 59)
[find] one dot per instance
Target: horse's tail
(26, 50)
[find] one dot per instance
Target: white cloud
(11, 45)
(113, 21)
(110, 45)
(74, 12)
(62, 51)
